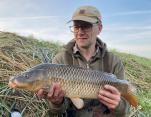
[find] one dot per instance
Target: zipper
(87, 65)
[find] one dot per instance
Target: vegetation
(18, 53)
(138, 72)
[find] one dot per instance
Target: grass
(145, 101)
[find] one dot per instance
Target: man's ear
(100, 27)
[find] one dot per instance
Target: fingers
(42, 94)
(111, 89)
(110, 106)
(55, 94)
(107, 99)
(110, 92)
(110, 103)
(56, 91)
(109, 96)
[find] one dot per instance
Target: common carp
(76, 81)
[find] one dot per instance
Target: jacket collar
(102, 46)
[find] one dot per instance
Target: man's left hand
(109, 96)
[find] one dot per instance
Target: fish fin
(78, 102)
(131, 98)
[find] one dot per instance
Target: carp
(76, 81)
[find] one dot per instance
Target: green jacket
(103, 61)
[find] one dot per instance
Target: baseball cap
(87, 13)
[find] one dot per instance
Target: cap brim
(84, 18)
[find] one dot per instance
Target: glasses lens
(76, 28)
(72, 28)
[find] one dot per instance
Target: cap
(87, 13)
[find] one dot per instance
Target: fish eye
(26, 76)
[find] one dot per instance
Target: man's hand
(109, 96)
(55, 94)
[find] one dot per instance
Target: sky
(126, 23)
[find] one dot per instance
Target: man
(88, 51)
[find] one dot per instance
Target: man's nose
(80, 30)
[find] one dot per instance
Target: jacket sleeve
(59, 109)
(58, 59)
(123, 109)
(124, 106)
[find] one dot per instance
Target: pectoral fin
(78, 102)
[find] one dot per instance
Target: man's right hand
(55, 94)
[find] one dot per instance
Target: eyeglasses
(85, 28)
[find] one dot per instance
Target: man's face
(85, 33)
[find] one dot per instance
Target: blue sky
(126, 23)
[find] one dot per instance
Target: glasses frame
(72, 29)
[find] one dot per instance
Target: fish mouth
(15, 84)
(22, 85)
(12, 84)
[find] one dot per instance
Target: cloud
(139, 12)
(14, 8)
(140, 50)
(133, 39)
(48, 34)
(120, 27)
(124, 33)
(30, 18)
(50, 28)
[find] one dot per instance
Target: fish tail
(131, 98)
